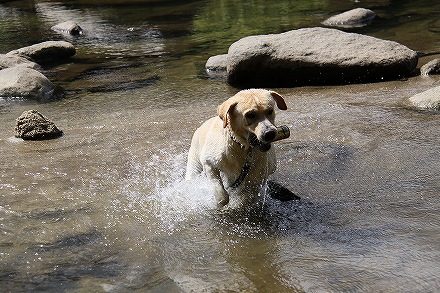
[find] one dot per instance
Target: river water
(105, 207)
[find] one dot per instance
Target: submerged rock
(429, 99)
(24, 82)
(358, 17)
(45, 52)
(432, 67)
(434, 26)
(31, 125)
(315, 56)
(68, 27)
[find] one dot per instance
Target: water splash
(165, 198)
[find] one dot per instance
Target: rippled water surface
(105, 207)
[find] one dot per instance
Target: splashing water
(159, 187)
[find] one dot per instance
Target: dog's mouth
(258, 144)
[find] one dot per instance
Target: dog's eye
(269, 112)
(250, 115)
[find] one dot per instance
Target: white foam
(159, 188)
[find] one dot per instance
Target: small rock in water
(31, 125)
(429, 99)
(432, 67)
(68, 27)
(358, 17)
(216, 65)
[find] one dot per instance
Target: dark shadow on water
(55, 214)
(122, 86)
(328, 224)
(277, 191)
(83, 255)
(71, 241)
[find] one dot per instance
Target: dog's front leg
(220, 193)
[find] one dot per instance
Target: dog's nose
(269, 135)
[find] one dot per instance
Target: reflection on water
(106, 208)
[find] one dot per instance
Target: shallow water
(105, 207)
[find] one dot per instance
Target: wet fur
(220, 145)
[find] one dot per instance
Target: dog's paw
(279, 192)
(221, 203)
(221, 196)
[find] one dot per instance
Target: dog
(234, 149)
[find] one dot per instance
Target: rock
(68, 27)
(31, 125)
(46, 52)
(316, 56)
(358, 17)
(24, 82)
(429, 99)
(432, 67)
(216, 65)
(7, 61)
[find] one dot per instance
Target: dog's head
(251, 116)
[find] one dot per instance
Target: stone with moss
(31, 125)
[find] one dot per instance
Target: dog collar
(244, 170)
(247, 162)
(234, 139)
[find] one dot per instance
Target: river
(105, 207)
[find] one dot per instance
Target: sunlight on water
(106, 206)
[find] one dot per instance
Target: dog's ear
(281, 104)
(224, 109)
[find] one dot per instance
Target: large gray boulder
(45, 52)
(315, 56)
(429, 99)
(31, 125)
(357, 17)
(7, 61)
(24, 82)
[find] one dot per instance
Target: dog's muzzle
(262, 146)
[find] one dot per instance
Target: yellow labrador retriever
(234, 149)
